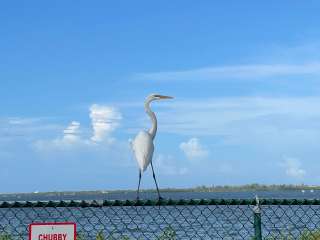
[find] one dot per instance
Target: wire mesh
(167, 219)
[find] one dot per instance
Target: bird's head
(155, 96)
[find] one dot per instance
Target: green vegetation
(167, 234)
(305, 235)
(101, 236)
(5, 236)
(247, 187)
(81, 236)
(170, 234)
(310, 235)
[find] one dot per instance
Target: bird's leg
(155, 180)
(139, 185)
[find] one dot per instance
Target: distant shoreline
(225, 188)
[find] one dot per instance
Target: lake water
(173, 195)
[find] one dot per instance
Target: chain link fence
(169, 219)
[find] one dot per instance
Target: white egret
(143, 146)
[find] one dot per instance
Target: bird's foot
(159, 201)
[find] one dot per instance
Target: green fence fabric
(169, 219)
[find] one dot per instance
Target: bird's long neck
(153, 130)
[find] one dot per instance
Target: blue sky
(74, 75)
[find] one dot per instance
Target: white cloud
(22, 121)
(293, 167)
(71, 133)
(241, 116)
(71, 138)
(14, 128)
(167, 165)
(193, 149)
(104, 119)
(253, 71)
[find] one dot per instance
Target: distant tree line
(202, 188)
(246, 187)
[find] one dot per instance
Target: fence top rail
(164, 202)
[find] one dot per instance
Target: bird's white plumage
(142, 145)
(143, 149)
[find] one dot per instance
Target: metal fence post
(257, 220)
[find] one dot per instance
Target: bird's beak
(164, 97)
